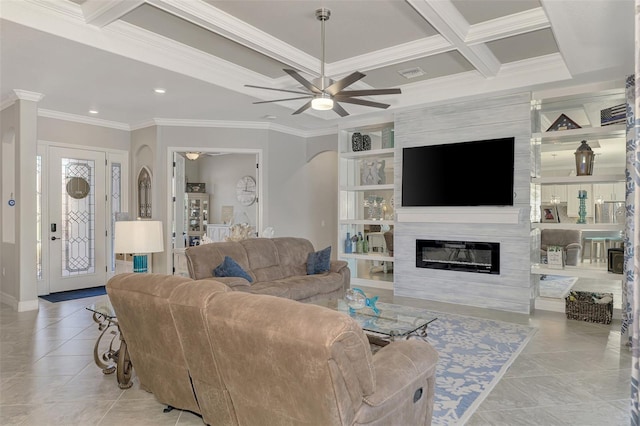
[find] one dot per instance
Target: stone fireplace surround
(514, 288)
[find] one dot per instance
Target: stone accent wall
(512, 290)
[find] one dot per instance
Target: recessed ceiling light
(93, 111)
(270, 117)
(160, 90)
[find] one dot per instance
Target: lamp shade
(138, 236)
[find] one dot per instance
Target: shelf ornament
(563, 123)
(584, 159)
(582, 210)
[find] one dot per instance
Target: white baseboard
(23, 306)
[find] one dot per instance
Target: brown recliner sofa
(264, 360)
(145, 319)
(277, 266)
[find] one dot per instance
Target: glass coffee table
(391, 322)
(112, 359)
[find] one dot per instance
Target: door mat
(63, 296)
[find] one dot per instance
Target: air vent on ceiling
(411, 72)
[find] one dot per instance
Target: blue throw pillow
(318, 262)
(230, 268)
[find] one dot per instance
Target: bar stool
(615, 242)
(598, 250)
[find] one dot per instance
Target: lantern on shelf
(584, 159)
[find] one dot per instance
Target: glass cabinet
(196, 216)
(366, 204)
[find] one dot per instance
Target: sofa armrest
(235, 283)
(405, 381)
(337, 265)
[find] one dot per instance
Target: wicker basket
(582, 305)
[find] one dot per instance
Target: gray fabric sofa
(569, 239)
(250, 359)
(277, 266)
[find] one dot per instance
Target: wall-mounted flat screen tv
(475, 173)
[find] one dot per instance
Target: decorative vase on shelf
(366, 142)
(356, 142)
(347, 243)
(582, 210)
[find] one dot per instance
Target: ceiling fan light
(322, 103)
(192, 155)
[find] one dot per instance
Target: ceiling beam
(103, 12)
(228, 26)
(507, 26)
(446, 19)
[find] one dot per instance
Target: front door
(77, 219)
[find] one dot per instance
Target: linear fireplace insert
(466, 256)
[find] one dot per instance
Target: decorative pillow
(230, 268)
(318, 262)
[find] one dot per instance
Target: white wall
(220, 173)
(289, 181)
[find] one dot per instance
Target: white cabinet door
(549, 192)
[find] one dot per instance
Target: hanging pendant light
(584, 159)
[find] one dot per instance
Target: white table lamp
(138, 237)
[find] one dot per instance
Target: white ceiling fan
(324, 93)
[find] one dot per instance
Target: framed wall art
(549, 213)
(196, 187)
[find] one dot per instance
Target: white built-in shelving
(367, 175)
(554, 173)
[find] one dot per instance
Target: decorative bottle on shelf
(347, 243)
(582, 210)
(359, 243)
(365, 245)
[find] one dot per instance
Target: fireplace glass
(466, 256)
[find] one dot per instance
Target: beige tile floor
(571, 373)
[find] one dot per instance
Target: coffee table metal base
(112, 359)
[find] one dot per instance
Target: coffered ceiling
(109, 55)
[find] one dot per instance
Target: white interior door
(77, 219)
(180, 233)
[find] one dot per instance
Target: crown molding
(380, 58)
(104, 12)
(517, 23)
(25, 95)
(82, 119)
(257, 125)
(60, 8)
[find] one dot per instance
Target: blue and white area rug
(556, 286)
(474, 355)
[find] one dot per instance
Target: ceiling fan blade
(369, 92)
(278, 90)
(341, 111)
(282, 100)
(360, 102)
(300, 79)
(302, 108)
(342, 83)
